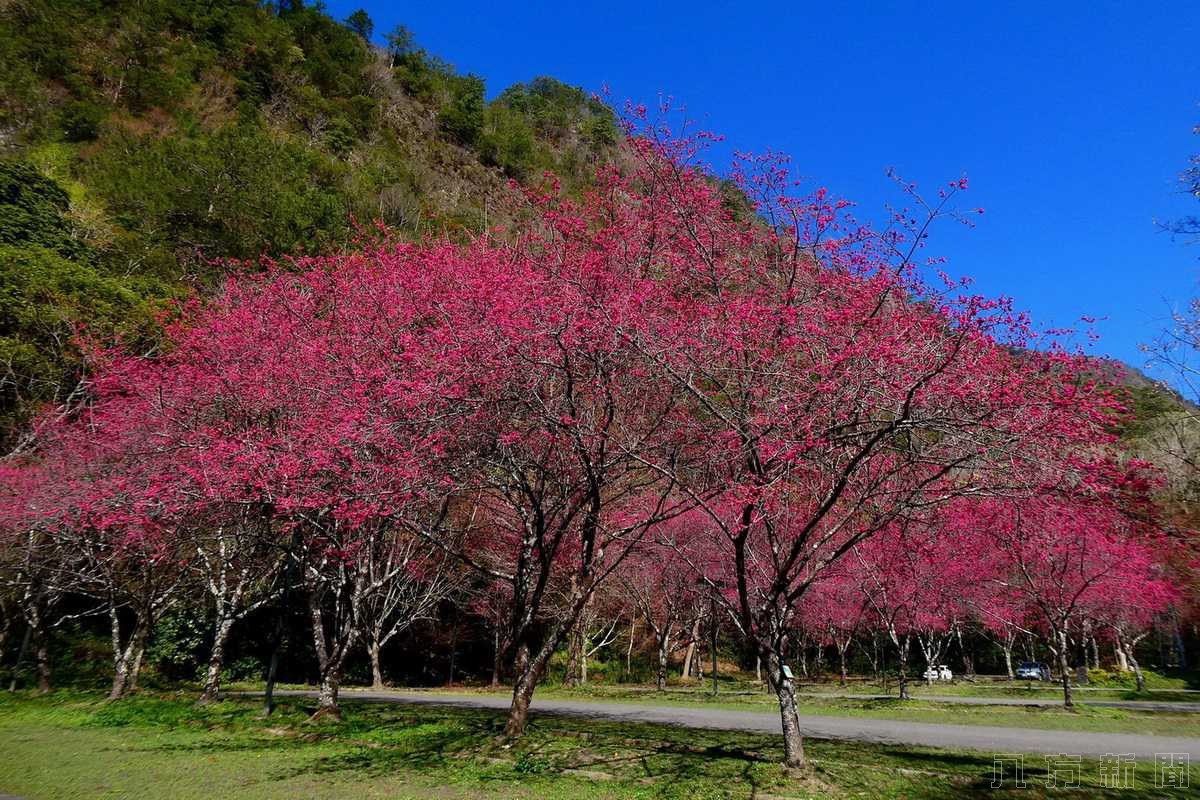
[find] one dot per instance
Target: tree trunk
(39, 636)
(289, 573)
(135, 670)
(273, 669)
(662, 664)
(874, 655)
(842, 662)
(1137, 674)
(1129, 648)
(41, 656)
(497, 657)
(119, 681)
(330, 660)
(686, 672)
(785, 691)
(1119, 651)
(453, 654)
(1082, 658)
(574, 652)
(216, 661)
(327, 697)
(518, 712)
(376, 670)
(126, 670)
(127, 660)
(1064, 668)
(530, 668)
(1008, 662)
(968, 661)
(902, 667)
(629, 650)
(12, 685)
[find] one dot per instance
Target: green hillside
(143, 143)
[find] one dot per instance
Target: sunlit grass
(72, 745)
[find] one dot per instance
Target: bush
(177, 646)
(529, 764)
(246, 668)
(462, 117)
(239, 192)
(1114, 680)
(80, 121)
(508, 142)
(33, 211)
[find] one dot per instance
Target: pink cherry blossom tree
(835, 393)
(667, 593)
(1068, 559)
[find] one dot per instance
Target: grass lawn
(75, 745)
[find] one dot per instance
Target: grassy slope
(75, 745)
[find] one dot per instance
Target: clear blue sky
(1072, 120)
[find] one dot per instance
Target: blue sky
(1072, 120)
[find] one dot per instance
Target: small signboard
(787, 672)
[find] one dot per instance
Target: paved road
(1133, 705)
(883, 731)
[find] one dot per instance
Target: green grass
(74, 745)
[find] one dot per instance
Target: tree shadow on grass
(448, 745)
(939, 775)
(468, 745)
(218, 743)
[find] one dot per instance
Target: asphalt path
(860, 729)
(1132, 705)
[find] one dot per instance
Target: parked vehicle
(939, 673)
(1033, 671)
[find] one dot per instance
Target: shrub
(462, 117)
(80, 121)
(530, 764)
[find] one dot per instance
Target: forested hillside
(144, 143)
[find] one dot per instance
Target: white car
(939, 673)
